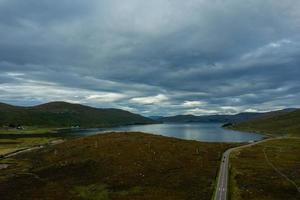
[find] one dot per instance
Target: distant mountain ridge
(222, 118)
(63, 114)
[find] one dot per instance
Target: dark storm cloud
(153, 57)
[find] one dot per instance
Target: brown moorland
(115, 166)
(269, 171)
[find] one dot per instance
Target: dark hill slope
(282, 124)
(62, 114)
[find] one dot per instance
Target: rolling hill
(281, 124)
(62, 114)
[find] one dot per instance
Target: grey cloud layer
(233, 55)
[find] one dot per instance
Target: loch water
(206, 132)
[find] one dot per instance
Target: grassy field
(12, 139)
(9, 145)
(115, 166)
(267, 171)
(28, 130)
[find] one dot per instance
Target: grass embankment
(269, 171)
(115, 166)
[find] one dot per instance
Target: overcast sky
(158, 57)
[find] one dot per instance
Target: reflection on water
(208, 132)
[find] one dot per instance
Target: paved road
(20, 151)
(221, 190)
(8, 155)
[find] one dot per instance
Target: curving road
(222, 185)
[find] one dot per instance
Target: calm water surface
(208, 132)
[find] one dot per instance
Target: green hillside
(62, 114)
(283, 124)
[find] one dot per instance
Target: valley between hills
(38, 163)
